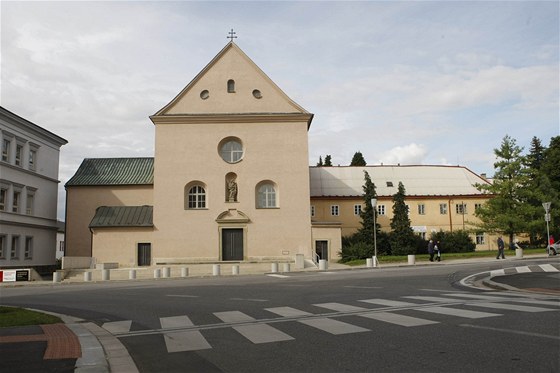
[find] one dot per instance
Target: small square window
(357, 209)
(380, 209)
(422, 209)
(334, 210)
(443, 208)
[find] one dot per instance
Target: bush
(454, 242)
(356, 250)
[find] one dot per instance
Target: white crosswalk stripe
(457, 312)
(548, 268)
(397, 319)
(513, 307)
(256, 333)
(340, 307)
(115, 327)
(191, 340)
(388, 302)
(431, 299)
(325, 324)
(525, 269)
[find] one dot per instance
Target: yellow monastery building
(230, 181)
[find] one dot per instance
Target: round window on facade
(231, 150)
(204, 94)
(257, 94)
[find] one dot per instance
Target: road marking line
(325, 324)
(525, 269)
(364, 287)
(431, 299)
(513, 307)
(397, 319)
(339, 307)
(257, 333)
(497, 272)
(185, 341)
(118, 326)
(182, 296)
(481, 297)
(250, 299)
(389, 303)
(278, 276)
(511, 331)
(457, 312)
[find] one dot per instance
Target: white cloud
(408, 154)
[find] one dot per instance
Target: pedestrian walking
(437, 249)
(431, 250)
(500, 248)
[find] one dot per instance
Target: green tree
(366, 230)
(328, 162)
(403, 241)
(358, 160)
(550, 170)
(507, 211)
(320, 163)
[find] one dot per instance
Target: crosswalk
(181, 334)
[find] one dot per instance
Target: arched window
(231, 86)
(266, 195)
(196, 197)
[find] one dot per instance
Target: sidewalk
(84, 347)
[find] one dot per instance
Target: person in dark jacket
(431, 250)
(500, 248)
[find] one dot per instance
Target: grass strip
(15, 316)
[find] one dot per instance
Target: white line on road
(511, 331)
(256, 333)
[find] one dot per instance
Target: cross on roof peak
(231, 35)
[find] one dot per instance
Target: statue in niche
(232, 190)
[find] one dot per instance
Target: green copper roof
(122, 216)
(114, 171)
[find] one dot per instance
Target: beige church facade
(230, 181)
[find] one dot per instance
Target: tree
(403, 241)
(507, 211)
(320, 163)
(550, 169)
(328, 162)
(358, 160)
(366, 231)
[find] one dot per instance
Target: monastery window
(380, 209)
(443, 208)
(266, 195)
(357, 209)
(480, 238)
(312, 211)
(231, 86)
(204, 94)
(421, 209)
(6, 143)
(335, 210)
(477, 206)
(19, 154)
(195, 197)
(30, 201)
(3, 198)
(461, 209)
(16, 201)
(231, 150)
(32, 162)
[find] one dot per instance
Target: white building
(28, 192)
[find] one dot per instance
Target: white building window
(334, 210)
(14, 251)
(19, 154)
(380, 209)
(477, 206)
(312, 211)
(443, 208)
(421, 209)
(461, 209)
(3, 243)
(28, 253)
(231, 150)
(16, 201)
(30, 201)
(196, 197)
(357, 209)
(32, 159)
(266, 196)
(3, 198)
(6, 143)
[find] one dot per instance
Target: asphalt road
(407, 319)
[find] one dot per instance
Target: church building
(229, 180)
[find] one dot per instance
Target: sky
(409, 82)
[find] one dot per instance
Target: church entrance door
(232, 244)
(322, 249)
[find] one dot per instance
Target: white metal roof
(418, 180)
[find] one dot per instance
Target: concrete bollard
(157, 273)
(106, 274)
(274, 268)
(235, 269)
(375, 262)
(132, 274)
(519, 253)
(369, 262)
(57, 276)
(286, 267)
(411, 260)
(87, 276)
(184, 272)
(323, 264)
(216, 270)
(166, 272)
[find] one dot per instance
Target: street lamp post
(546, 206)
(374, 206)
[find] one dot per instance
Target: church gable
(231, 84)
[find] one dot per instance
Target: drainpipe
(449, 212)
